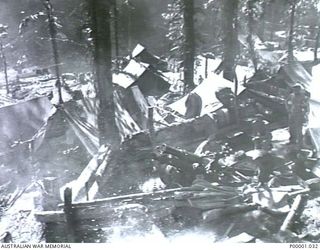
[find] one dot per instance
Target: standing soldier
(297, 105)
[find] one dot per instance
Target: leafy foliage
(174, 19)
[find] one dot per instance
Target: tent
(20, 122)
(126, 125)
(150, 81)
(206, 90)
(141, 54)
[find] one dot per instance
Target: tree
(250, 10)
(116, 31)
(174, 20)
(291, 30)
(189, 42)
(53, 35)
(316, 45)
(317, 38)
(230, 41)
(53, 25)
(99, 14)
(180, 18)
(4, 34)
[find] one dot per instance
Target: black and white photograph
(159, 124)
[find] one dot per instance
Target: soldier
(193, 105)
(297, 105)
(227, 98)
(261, 135)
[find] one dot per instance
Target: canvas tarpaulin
(20, 122)
(126, 125)
(86, 133)
(206, 90)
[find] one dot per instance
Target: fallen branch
(289, 219)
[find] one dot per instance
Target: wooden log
(70, 219)
(88, 175)
(79, 214)
(150, 120)
(157, 194)
(289, 219)
(206, 69)
(98, 176)
(87, 190)
(103, 166)
(106, 212)
(105, 208)
(161, 195)
(179, 197)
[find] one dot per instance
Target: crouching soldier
(261, 135)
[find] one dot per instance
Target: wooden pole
(316, 45)
(291, 32)
(236, 87)
(206, 69)
(150, 120)
(53, 34)
(69, 215)
(87, 190)
(288, 220)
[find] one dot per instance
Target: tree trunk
(5, 66)
(129, 29)
(101, 34)
(53, 34)
(189, 44)
(116, 31)
(250, 37)
(272, 15)
(263, 21)
(316, 45)
(290, 38)
(230, 9)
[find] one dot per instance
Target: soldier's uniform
(298, 108)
